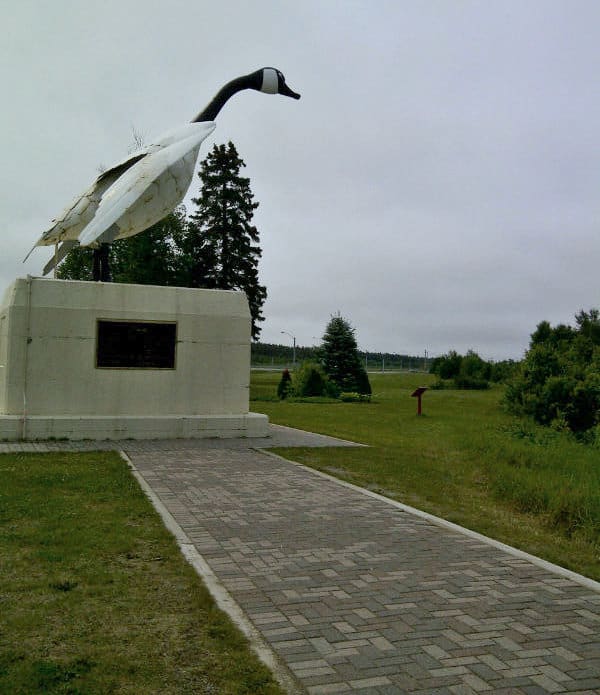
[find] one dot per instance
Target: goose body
(142, 189)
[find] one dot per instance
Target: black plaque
(136, 345)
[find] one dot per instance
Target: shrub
(363, 385)
(502, 371)
(354, 397)
(463, 381)
(447, 366)
(466, 372)
(310, 380)
(284, 387)
(558, 383)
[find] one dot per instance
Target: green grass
(464, 460)
(95, 596)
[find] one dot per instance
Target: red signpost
(417, 394)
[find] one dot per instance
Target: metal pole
(293, 337)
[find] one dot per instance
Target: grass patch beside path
(95, 596)
(464, 460)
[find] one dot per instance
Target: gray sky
(438, 183)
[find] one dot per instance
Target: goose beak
(286, 91)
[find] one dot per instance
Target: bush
(446, 366)
(502, 371)
(463, 381)
(284, 388)
(558, 383)
(310, 380)
(354, 397)
(466, 372)
(363, 385)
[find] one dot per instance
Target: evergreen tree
(149, 258)
(341, 360)
(195, 258)
(222, 243)
(216, 248)
(77, 264)
(285, 384)
(144, 259)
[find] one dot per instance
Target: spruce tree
(77, 264)
(149, 258)
(194, 257)
(143, 259)
(221, 234)
(285, 384)
(341, 360)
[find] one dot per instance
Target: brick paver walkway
(356, 595)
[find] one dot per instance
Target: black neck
(252, 81)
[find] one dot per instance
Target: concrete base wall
(36, 427)
(51, 384)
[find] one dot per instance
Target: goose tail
(63, 250)
(32, 250)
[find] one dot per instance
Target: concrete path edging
(357, 593)
(438, 521)
(222, 597)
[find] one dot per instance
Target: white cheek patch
(270, 83)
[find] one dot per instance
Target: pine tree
(144, 259)
(221, 234)
(217, 247)
(149, 258)
(195, 258)
(341, 360)
(285, 384)
(77, 264)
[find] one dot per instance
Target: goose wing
(169, 138)
(82, 209)
(57, 257)
(139, 187)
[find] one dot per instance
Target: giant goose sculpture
(139, 191)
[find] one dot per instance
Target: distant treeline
(271, 354)
(470, 371)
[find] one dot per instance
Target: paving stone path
(358, 596)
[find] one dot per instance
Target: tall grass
(464, 459)
(546, 473)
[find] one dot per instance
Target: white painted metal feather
(135, 193)
(149, 190)
(145, 187)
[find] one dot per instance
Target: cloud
(437, 183)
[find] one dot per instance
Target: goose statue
(142, 189)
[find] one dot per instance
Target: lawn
(95, 596)
(464, 459)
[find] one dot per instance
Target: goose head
(267, 80)
(272, 81)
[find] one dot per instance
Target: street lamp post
(293, 337)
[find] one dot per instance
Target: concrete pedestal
(56, 380)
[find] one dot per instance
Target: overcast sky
(438, 183)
